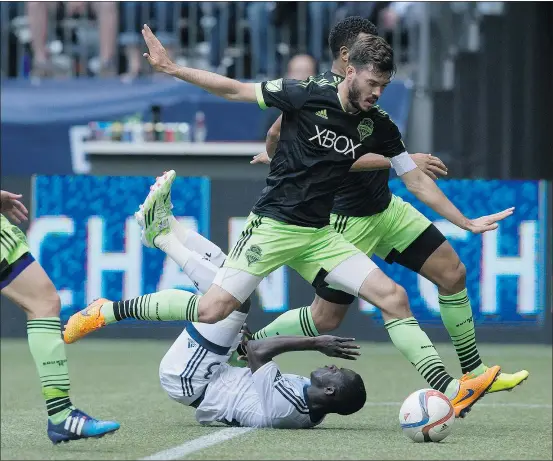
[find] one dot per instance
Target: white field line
(223, 435)
(200, 443)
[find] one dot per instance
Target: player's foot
(471, 389)
(85, 321)
(504, 381)
(78, 425)
(154, 215)
(508, 381)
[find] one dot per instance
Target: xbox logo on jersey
(341, 144)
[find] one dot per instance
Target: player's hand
(430, 165)
(243, 346)
(157, 55)
(12, 207)
(334, 346)
(488, 223)
(263, 157)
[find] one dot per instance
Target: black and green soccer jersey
(319, 141)
(366, 193)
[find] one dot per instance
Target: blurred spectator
(300, 67)
(107, 15)
(265, 20)
(160, 16)
(217, 19)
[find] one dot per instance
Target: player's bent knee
(395, 304)
(327, 316)
(49, 305)
(454, 277)
(327, 324)
(168, 383)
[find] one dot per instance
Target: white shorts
(188, 366)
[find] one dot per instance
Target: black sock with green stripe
(456, 313)
(297, 322)
(48, 351)
(164, 305)
(415, 345)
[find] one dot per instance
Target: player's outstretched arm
(227, 88)
(262, 351)
(429, 193)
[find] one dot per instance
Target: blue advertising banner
(85, 236)
(506, 272)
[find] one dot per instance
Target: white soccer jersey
(266, 398)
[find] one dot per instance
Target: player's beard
(354, 95)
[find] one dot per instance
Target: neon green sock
(415, 345)
(456, 313)
(164, 305)
(296, 322)
(48, 351)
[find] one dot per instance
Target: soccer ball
(426, 416)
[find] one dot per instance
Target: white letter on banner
(523, 266)
(173, 276)
(128, 261)
(273, 289)
(37, 233)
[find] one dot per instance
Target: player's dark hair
(375, 52)
(351, 396)
(345, 33)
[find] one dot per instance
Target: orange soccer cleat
(84, 322)
(471, 389)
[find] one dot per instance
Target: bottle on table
(200, 130)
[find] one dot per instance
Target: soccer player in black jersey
(326, 128)
(377, 222)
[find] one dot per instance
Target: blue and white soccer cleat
(78, 425)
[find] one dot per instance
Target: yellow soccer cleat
(84, 322)
(471, 389)
(508, 381)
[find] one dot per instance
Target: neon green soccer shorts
(395, 228)
(267, 244)
(14, 252)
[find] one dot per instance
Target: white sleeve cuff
(402, 163)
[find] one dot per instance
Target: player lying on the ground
(367, 214)
(326, 128)
(195, 372)
(24, 282)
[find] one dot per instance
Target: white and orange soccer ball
(426, 416)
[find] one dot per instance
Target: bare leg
(37, 13)
(108, 23)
